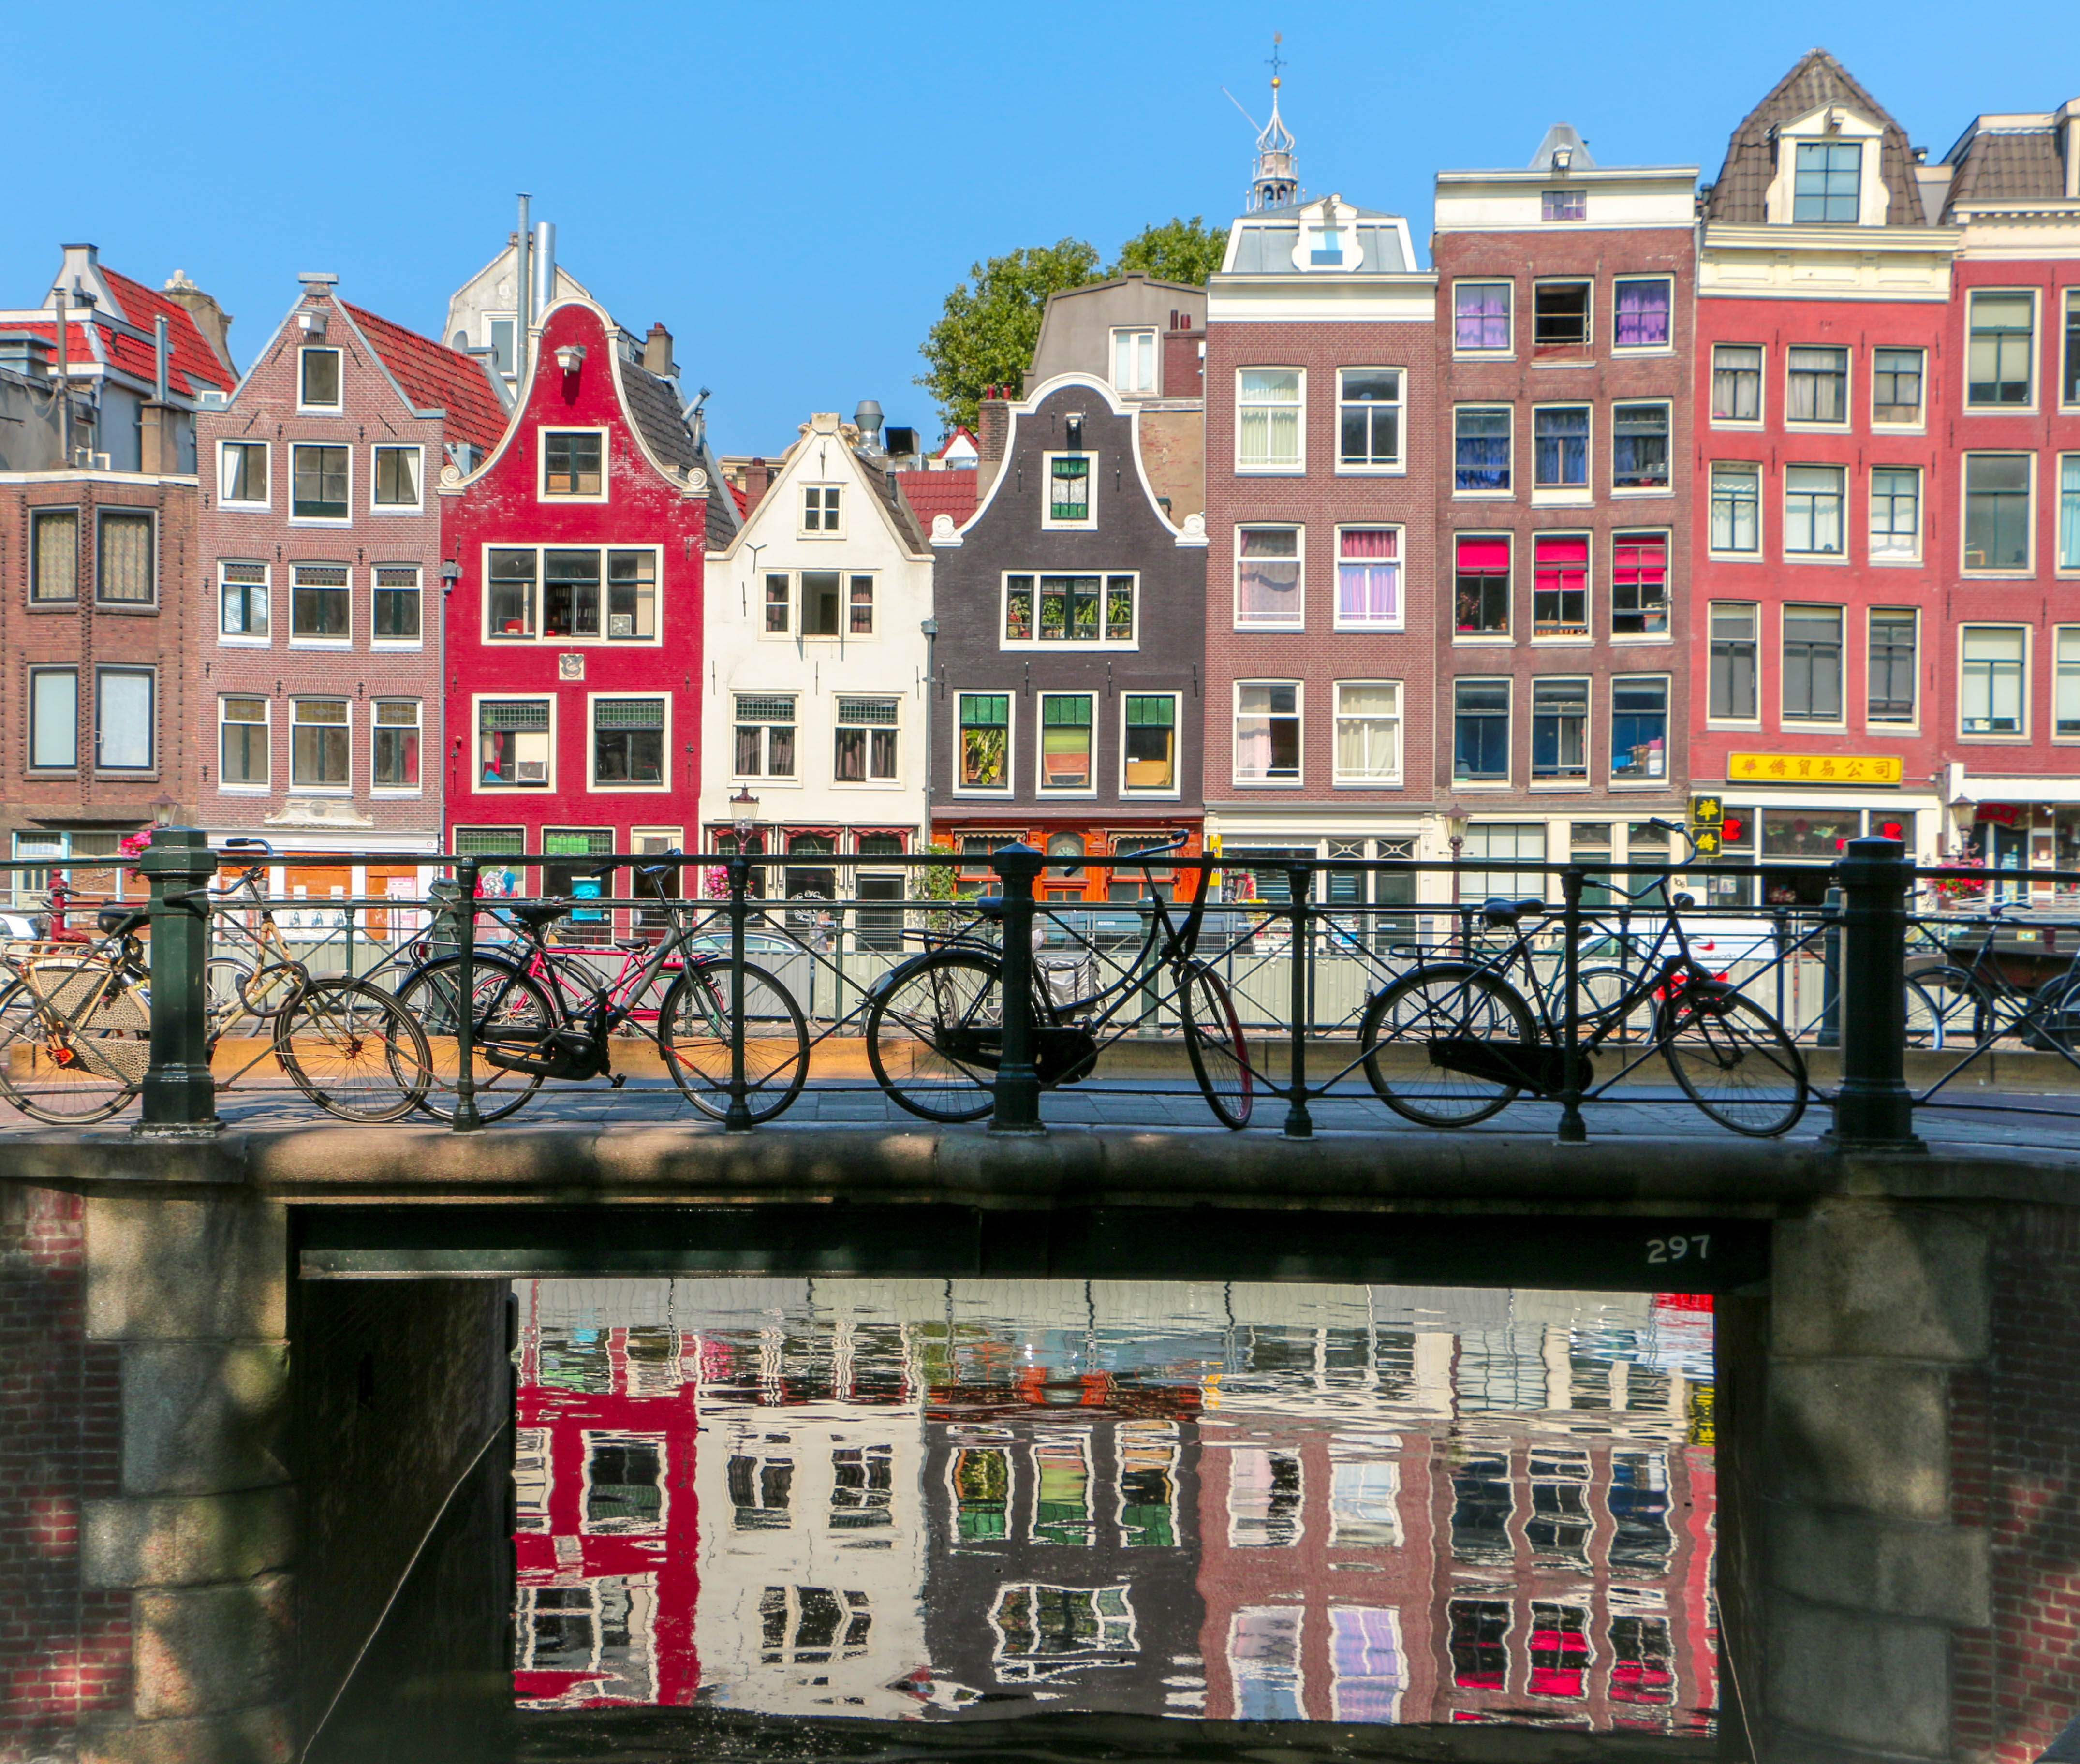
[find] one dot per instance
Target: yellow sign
(1707, 840)
(1706, 811)
(1814, 767)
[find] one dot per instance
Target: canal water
(890, 1519)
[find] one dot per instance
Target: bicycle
(262, 987)
(1483, 1042)
(535, 1015)
(935, 1029)
(1977, 992)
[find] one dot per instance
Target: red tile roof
(192, 362)
(932, 493)
(435, 377)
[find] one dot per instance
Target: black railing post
(1574, 1131)
(1017, 1087)
(179, 1094)
(1873, 1108)
(467, 1119)
(1299, 1123)
(1831, 971)
(738, 1119)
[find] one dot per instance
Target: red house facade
(573, 558)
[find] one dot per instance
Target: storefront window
(1807, 833)
(1737, 845)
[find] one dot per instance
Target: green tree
(985, 335)
(1174, 251)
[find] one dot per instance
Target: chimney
(1184, 359)
(994, 418)
(657, 353)
(866, 418)
(544, 267)
(210, 318)
(757, 480)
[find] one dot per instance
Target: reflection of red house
(607, 1519)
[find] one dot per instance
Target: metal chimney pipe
(159, 358)
(64, 380)
(522, 316)
(545, 265)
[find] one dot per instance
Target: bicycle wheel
(1945, 1007)
(1214, 1039)
(1733, 1061)
(1602, 990)
(225, 979)
(354, 1051)
(1443, 1002)
(693, 1029)
(510, 1012)
(70, 1052)
(266, 992)
(935, 1035)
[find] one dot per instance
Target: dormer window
(318, 385)
(1328, 247)
(1563, 205)
(1133, 361)
(570, 462)
(1827, 182)
(823, 509)
(1069, 489)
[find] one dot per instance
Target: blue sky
(792, 189)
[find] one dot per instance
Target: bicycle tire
(1945, 1006)
(92, 1082)
(510, 1000)
(693, 1029)
(1401, 1010)
(1602, 989)
(354, 1050)
(1709, 1039)
(914, 1018)
(224, 981)
(1214, 1041)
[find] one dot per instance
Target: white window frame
(1297, 466)
(593, 786)
(1508, 349)
(1814, 425)
(1754, 610)
(870, 782)
(304, 354)
(150, 767)
(1399, 621)
(1667, 733)
(1762, 386)
(2060, 634)
(1588, 343)
(320, 520)
(2062, 564)
(2028, 659)
(1755, 553)
(1065, 645)
(426, 753)
(2029, 568)
(543, 493)
(2029, 405)
(1532, 780)
(802, 529)
(569, 640)
(1562, 639)
(1508, 684)
(375, 588)
(224, 499)
(1141, 792)
(1785, 721)
(1910, 724)
(473, 753)
(1042, 789)
(1668, 407)
(1919, 423)
(1841, 554)
(265, 787)
(1620, 535)
(1048, 522)
(45, 767)
(417, 506)
(1299, 531)
(1565, 495)
(1893, 559)
(297, 699)
(1509, 493)
(265, 584)
(1120, 334)
(989, 792)
(1632, 350)
(1234, 736)
(779, 780)
(1396, 467)
(1338, 780)
(296, 642)
(124, 511)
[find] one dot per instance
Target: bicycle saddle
(536, 913)
(1496, 910)
(121, 921)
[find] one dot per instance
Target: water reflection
(948, 1502)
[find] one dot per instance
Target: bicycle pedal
(617, 1080)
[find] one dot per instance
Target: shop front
(2021, 835)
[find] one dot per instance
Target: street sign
(1706, 839)
(1707, 811)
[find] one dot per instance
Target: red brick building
(1563, 479)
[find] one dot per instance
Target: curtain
(126, 556)
(1642, 320)
(1563, 446)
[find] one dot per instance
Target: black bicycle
(935, 1029)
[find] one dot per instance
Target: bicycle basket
(1069, 978)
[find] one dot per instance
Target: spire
(1273, 183)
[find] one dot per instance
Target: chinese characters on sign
(1814, 767)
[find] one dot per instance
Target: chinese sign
(1814, 767)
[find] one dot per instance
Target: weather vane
(1275, 62)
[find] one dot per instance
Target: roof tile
(192, 364)
(1818, 78)
(435, 377)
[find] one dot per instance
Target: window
(319, 601)
(1736, 507)
(396, 608)
(823, 509)
(1892, 673)
(1733, 692)
(1268, 419)
(53, 717)
(1072, 609)
(508, 602)
(859, 605)
(1813, 664)
(1368, 731)
(628, 741)
(1559, 730)
(318, 744)
(1267, 731)
(501, 346)
(244, 744)
(123, 560)
(1133, 361)
(985, 740)
(1560, 448)
(1481, 591)
(2068, 512)
(1148, 722)
(1065, 741)
(1827, 181)
(570, 594)
(1480, 731)
(1479, 1647)
(1480, 316)
(777, 597)
(2071, 393)
(123, 719)
(1369, 417)
(1560, 585)
(1639, 728)
(1560, 318)
(1639, 447)
(1639, 584)
(1563, 205)
(2067, 711)
(866, 731)
(570, 583)
(1896, 375)
(319, 489)
(1369, 579)
(242, 472)
(820, 605)
(1818, 389)
(320, 380)
(1267, 577)
(1997, 511)
(394, 755)
(1069, 489)
(1642, 309)
(397, 477)
(765, 736)
(1480, 448)
(53, 554)
(1895, 513)
(1736, 383)
(242, 600)
(2003, 332)
(570, 462)
(1813, 511)
(513, 742)
(1991, 696)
